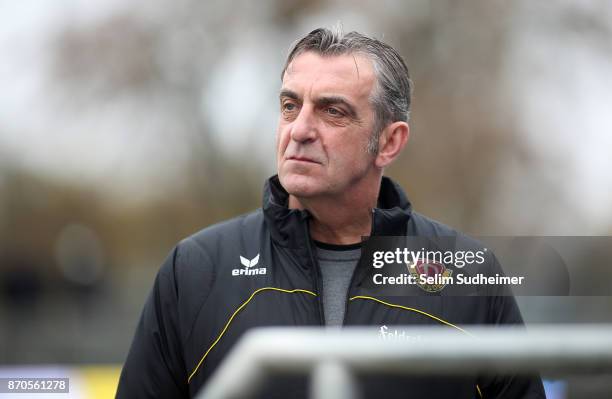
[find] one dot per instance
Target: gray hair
(391, 95)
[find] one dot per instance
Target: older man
(344, 111)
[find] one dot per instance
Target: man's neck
(339, 220)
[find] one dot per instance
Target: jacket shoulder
(203, 250)
(421, 225)
(225, 232)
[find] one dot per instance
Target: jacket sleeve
(505, 311)
(154, 367)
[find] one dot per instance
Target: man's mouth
(302, 159)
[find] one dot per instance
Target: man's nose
(303, 128)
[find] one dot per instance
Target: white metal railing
(332, 355)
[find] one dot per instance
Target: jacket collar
(289, 227)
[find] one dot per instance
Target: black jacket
(259, 270)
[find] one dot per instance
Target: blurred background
(128, 125)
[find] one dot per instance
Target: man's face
(325, 122)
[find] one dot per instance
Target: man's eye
(333, 111)
(288, 107)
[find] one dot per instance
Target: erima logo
(249, 267)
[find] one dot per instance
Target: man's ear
(391, 142)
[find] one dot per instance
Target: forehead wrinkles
(334, 69)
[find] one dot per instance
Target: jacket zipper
(317, 273)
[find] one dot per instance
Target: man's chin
(299, 186)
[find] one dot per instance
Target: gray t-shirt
(337, 264)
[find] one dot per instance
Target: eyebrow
(330, 100)
(289, 94)
(323, 101)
